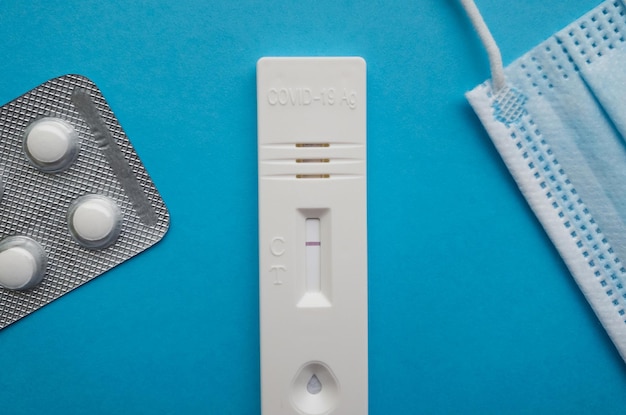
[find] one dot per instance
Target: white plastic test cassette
(313, 235)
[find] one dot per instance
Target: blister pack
(75, 200)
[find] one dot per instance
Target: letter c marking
(277, 246)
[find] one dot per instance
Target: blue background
(471, 308)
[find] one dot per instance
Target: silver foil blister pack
(75, 200)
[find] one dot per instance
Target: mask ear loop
(493, 51)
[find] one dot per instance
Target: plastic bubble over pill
(51, 144)
(94, 221)
(22, 263)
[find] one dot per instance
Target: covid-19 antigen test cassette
(313, 235)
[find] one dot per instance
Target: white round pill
(51, 144)
(22, 263)
(94, 221)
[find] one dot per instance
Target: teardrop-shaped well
(314, 386)
(315, 389)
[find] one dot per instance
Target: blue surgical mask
(558, 119)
